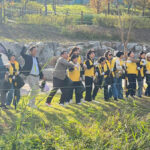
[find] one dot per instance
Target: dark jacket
(3, 69)
(28, 63)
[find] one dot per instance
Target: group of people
(108, 73)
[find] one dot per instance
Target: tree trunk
(128, 9)
(98, 7)
(108, 7)
(143, 14)
(45, 5)
(54, 6)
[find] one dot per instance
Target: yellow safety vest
(11, 70)
(148, 66)
(141, 70)
(131, 68)
(75, 74)
(89, 72)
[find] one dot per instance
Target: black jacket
(28, 63)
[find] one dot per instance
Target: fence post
(41, 12)
(4, 15)
(81, 17)
(1, 14)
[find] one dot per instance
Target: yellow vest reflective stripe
(89, 72)
(148, 66)
(75, 74)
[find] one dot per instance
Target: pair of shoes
(4, 107)
(48, 104)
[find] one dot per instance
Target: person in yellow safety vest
(140, 76)
(14, 92)
(76, 51)
(147, 92)
(118, 71)
(131, 71)
(108, 76)
(100, 72)
(74, 74)
(89, 74)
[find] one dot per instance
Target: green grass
(122, 125)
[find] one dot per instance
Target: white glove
(77, 65)
(80, 78)
(103, 73)
(143, 62)
(147, 72)
(138, 68)
(13, 77)
(129, 61)
(95, 63)
(96, 73)
(123, 71)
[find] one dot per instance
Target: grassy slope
(33, 32)
(123, 125)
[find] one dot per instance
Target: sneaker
(67, 103)
(61, 104)
(79, 103)
(83, 101)
(71, 101)
(47, 104)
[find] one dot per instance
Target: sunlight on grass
(90, 126)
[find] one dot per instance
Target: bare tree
(125, 33)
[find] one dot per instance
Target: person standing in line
(60, 79)
(89, 74)
(108, 76)
(76, 51)
(14, 92)
(33, 71)
(74, 74)
(140, 77)
(99, 76)
(131, 70)
(4, 83)
(119, 71)
(147, 92)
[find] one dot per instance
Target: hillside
(122, 125)
(32, 32)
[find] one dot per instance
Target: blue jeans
(140, 88)
(117, 89)
(13, 94)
